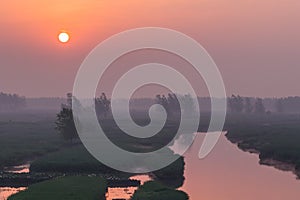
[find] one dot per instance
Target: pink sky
(256, 44)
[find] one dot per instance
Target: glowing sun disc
(63, 37)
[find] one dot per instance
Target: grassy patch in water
(153, 190)
(65, 188)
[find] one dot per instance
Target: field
(26, 136)
(153, 190)
(75, 159)
(65, 188)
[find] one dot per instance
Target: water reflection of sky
(231, 174)
(125, 192)
(5, 192)
(18, 169)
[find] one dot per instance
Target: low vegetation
(65, 188)
(172, 175)
(75, 159)
(23, 140)
(153, 190)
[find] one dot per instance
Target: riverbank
(283, 166)
(277, 144)
(21, 141)
(274, 138)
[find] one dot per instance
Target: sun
(63, 37)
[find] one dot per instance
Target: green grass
(66, 188)
(156, 191)
(172, 175)
(75, 159)
(24, 140)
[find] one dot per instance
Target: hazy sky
(256, 44)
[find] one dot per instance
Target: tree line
(238, 104)
(11, 102)
(171, 104)
(65, 120)
(287, 105)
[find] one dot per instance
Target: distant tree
(102, 105)
(69, 99)
(162, 100)
(173, 104)
(65, 122)
(259, 106)
(11, 102)
(170, 103)
(236, 104)
(188, 107)
(279, 105)
(291, 104)
(165, 103)
(248, 105)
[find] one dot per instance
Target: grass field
(24, 138)
(75, 159)
(65, 188)
(154, 191)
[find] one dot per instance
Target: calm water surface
(125, 192)
(231, 174)
(5, 192)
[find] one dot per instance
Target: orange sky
(256, 44)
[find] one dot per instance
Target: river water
(228, 173)
(125, 192)
(5, 192)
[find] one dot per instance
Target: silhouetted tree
(188, 107)
(170, 103)
(248, 105)
(11, 102)
(102, 105)
(162, 100)
(279, 105)
(236, 104)
(259, 106)
(173, 104)
(65, 122)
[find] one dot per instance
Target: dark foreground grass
(156, 191)
(65, 188)
(23, 140)
(75, 159)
